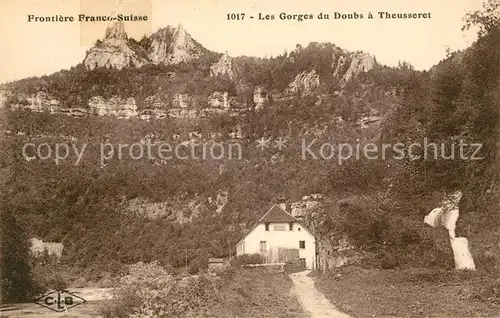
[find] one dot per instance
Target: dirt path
(311, 299)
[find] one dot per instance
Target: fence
(281, 255)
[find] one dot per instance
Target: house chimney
(282, 203)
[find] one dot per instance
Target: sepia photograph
(220, 158)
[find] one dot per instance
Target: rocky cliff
(114, 106)
(113, 51)
(347, 65)
(177, 210)
(224, 67)
(360, 63)
(154, 107)
(205, 84)
(166, 46)
(260, 98)
(300, 208)
(305, 82)
(172, 46)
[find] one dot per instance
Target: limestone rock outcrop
(155, 102)
(38, 248)
(184, 48)
(220, 200)
(360, 63)
(347, 65)
(300, 208)
(160, 46)
(446, 216)
(341, 66)
(113, 51)
(4, 95)
(220, 103)
(41, 101)
(224, 67)
(304, 82)
(180, 105)
(219, 100)
(179, 210)
(172, 46)
(260, 97)
(166, 46)
(182, 101)
(148, 114)
(114, 106)
(183, 113)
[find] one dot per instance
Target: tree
(405, 66)
(486, 19)
(17, 282)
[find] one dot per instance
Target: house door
(263, 247)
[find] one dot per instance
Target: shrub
(141, 292)
(226, 273)
(247, 259)
(123, 305)
(17, 282)
(150, 291)
(48, 279)
(388, 261)
(198, 264)
(48, 271)
(194, 296)
(364, 225)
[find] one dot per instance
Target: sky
(38, 48)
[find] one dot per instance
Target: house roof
(276, 215)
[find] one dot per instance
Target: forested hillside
(84, 206)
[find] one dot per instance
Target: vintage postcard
(219, 158)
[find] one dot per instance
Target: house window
(279, 228)
(298, 229)
(263, 247)
(290, 227)
(267, 226)
(302, 244)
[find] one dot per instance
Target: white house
(278, 230)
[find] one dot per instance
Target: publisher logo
(59, 300)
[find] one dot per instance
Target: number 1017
(235, 16)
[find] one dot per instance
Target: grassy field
(258, 293)
(405, 293)
(234, 293)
